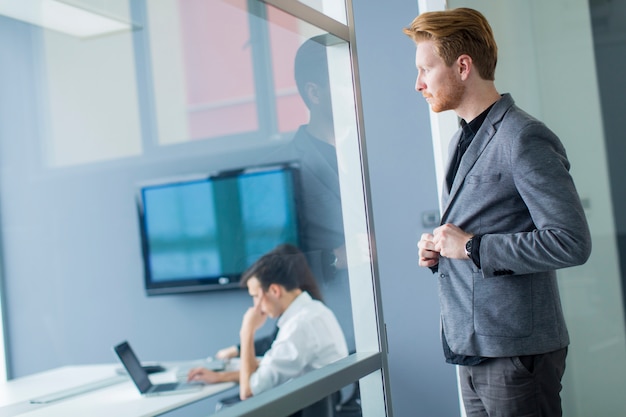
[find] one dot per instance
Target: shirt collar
(294, 307)
(472, 127)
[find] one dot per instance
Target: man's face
(264, 301)
(439, 84)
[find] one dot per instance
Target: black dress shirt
(468, 133)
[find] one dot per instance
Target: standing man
(511, 216)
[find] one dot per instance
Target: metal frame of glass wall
(368, 365)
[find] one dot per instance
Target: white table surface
(120, 399)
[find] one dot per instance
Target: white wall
(100, 83)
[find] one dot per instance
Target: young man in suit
(511, 216)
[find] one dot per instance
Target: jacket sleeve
(557, 234)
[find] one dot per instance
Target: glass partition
(203, 81)
(333, 9)
(244, 84)
(284, 87)
(277, 84)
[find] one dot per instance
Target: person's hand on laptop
(204, 375)
(208, 376)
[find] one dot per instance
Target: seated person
(309, 336)
(263, 343)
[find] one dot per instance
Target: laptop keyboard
(165, 387)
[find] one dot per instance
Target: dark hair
(311, 65)
(285, 265)
(456, 32)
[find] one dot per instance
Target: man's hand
(449, 240)
(253, 319)
(204, 375)
(428, 256)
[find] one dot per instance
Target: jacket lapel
(484, 135)
(324, 170)
(454, 143)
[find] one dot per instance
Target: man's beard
(449, 97)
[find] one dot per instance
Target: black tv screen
(201, 233)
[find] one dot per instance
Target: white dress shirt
(309, 337)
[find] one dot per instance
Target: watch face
(468, 248)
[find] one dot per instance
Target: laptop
(141, 379)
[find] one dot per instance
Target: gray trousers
(520, 386)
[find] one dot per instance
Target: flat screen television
(201, 233)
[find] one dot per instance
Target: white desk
(121, 398)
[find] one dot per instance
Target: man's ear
(464, 64)
(275, 290)
(312, 92)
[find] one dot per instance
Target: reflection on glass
(285, 35)
(278, 80)
(283, 87)
(210, 85)
(216, 79)
(203, 80)
(335, 235)
(219, 85)
(331, 8)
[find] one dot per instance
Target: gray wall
(403, 187)
(71, 252)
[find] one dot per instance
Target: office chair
(349, 402)
(323, 408)
(335, 405)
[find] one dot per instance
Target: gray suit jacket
(513, 187)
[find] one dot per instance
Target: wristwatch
(468, 247)
(329, 258)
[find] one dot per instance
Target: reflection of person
(511, 216)
(322, 233)
(315, 147)
(322, 228)
(309, 336)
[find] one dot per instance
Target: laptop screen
(133, 366)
